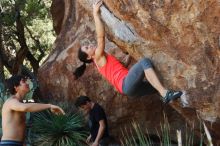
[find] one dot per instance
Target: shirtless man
(13, 112)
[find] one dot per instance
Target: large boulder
(182, 38)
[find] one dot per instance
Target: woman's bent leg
(133, 84)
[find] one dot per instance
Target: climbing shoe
(171, 95)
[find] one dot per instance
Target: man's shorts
(11, 143)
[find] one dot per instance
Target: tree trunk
(2, 76)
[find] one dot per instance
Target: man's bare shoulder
(11, 100)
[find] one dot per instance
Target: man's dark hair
(82, 57)
(82, 100)
(13, 82)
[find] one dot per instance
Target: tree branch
(33, 61)
(21, 54)
(2, 75)
(38, 44)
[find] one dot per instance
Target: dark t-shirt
(95, 115)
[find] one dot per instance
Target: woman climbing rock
(127, 81)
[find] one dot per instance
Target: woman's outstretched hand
(96, 6)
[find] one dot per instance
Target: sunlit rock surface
(182, 38)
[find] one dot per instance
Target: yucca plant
(58, 130)
(165, 132)
(209, 138)
(202, 135)
(189, 136)
(135, 137)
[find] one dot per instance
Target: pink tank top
(113, 71)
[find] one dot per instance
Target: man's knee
(146, 63)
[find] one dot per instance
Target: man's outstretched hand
(56, 110)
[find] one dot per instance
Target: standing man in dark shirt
(97, 121)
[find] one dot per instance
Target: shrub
(58, 130)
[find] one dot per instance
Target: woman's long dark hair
(82, 57)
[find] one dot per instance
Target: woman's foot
(171, 95)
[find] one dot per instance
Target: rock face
(182, 38)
